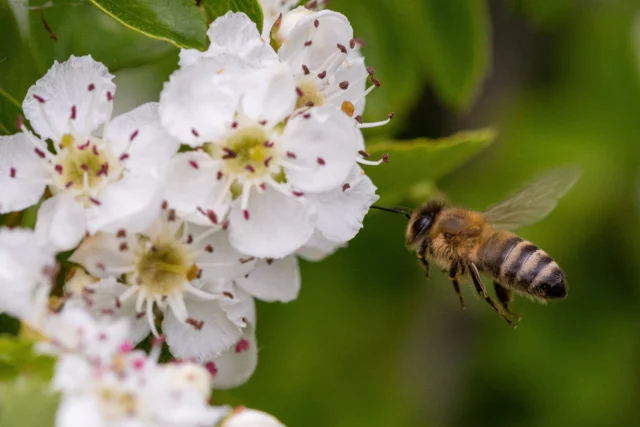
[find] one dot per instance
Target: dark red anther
(19, 122)
(262, 122)
(342, 48)
(268, 144)
(250, 168)
(307, 43)
(58, 168)
(242, 345)
(122, 233)
(124, 157)
(370, 70)
(219, 175)
(297, 193)
(195, 132)
(269, 261)
(246, 260)
(68, 184)
(164, 205)
(197, 324)
(39, 152)
(391, 115)
(229, 153)
(194, 164)
(291, 155)
(305, 69)
(321, 161)
(246, 214)
(385, 158)
(375, 81)
(322, 75)
(364, 154)
(85, 145)
(123, 246)
(299, 91)
(306, 115)
(263, 186)
(358, 119)
(234, 125)
(95, 201)
(12, 172)
(345, 187)
(84, 167)
(133, 135)
(73, 112)
(227, 294)
(344, 85)
(316, 23)
(109, 96)
(352, 44)
(39, 98)
(91, 87)
(171, 215)
(267, 161)
(209, 248)
(211, 367)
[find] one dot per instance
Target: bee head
(421, 222)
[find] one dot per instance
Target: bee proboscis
(465, 242)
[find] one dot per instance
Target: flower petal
(236, 365)
(26, 265)
(274, 226)
(192, 183)
(199, 101)
(325, 143)
(61, 221)
(273, 280)
(236, 34)
(220, 260)
(217, 333)
(102, 255)
(79, 82)
(243, 417)
(353, 71)
(19, 165)
(333, 30)
(270, 94)
(342, 210)
(133, 204)
(140, 135)
(318, 248)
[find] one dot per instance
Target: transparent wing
(533, 202)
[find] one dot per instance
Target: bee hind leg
(454, 270)
(504, 297)
(482, 291)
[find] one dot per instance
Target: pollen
(309, 94)
(245, 152)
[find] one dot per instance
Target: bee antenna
(402, 211)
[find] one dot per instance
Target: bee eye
(421, 224)
(448, 236)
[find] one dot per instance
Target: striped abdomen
(516, 263)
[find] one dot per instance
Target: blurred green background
(370, 342)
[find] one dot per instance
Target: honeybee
(464, 242)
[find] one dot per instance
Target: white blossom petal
(22, 174)
(270, 94)
(222, 261)
(318, 248)
(192, 183)
(273, 280)
(26, 267)
(277, 225)
(233, 33)
(102, 255)
(217, 334)
(333, 30)
(79, 82)
(243, 417)
(353, 71)
(79, 410)
(61, 221)
(236, 365)
(342, 210)
(133, 203)
(325, 144)
(139, 134)
(198, 103)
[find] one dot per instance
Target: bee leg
(422, 256)
(453, 275)
(475, 276)
(504, 296)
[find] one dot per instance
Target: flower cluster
(174, 216)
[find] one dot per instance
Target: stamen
(151, 318)
(342, 48)
(376, 124)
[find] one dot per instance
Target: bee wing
(533, 202)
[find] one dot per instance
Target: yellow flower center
(117, 403)
(164, 266)
(309, 95)
(248, 151)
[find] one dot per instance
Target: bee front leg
(422, 256)
(477, 281)
(454, 270)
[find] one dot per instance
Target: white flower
(133, 390)
(233, 33)
(244, 417)
(269, 169)
(271, 11)
(74, 330)
(98, 182)
(27, 268)
(181, 269)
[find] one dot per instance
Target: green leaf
(545, 12)
(415, 165)
(27, 404)
(456, 46)
(17, 70)
(216, 8)
(177, 21)
(82, 29)
(17, 360)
